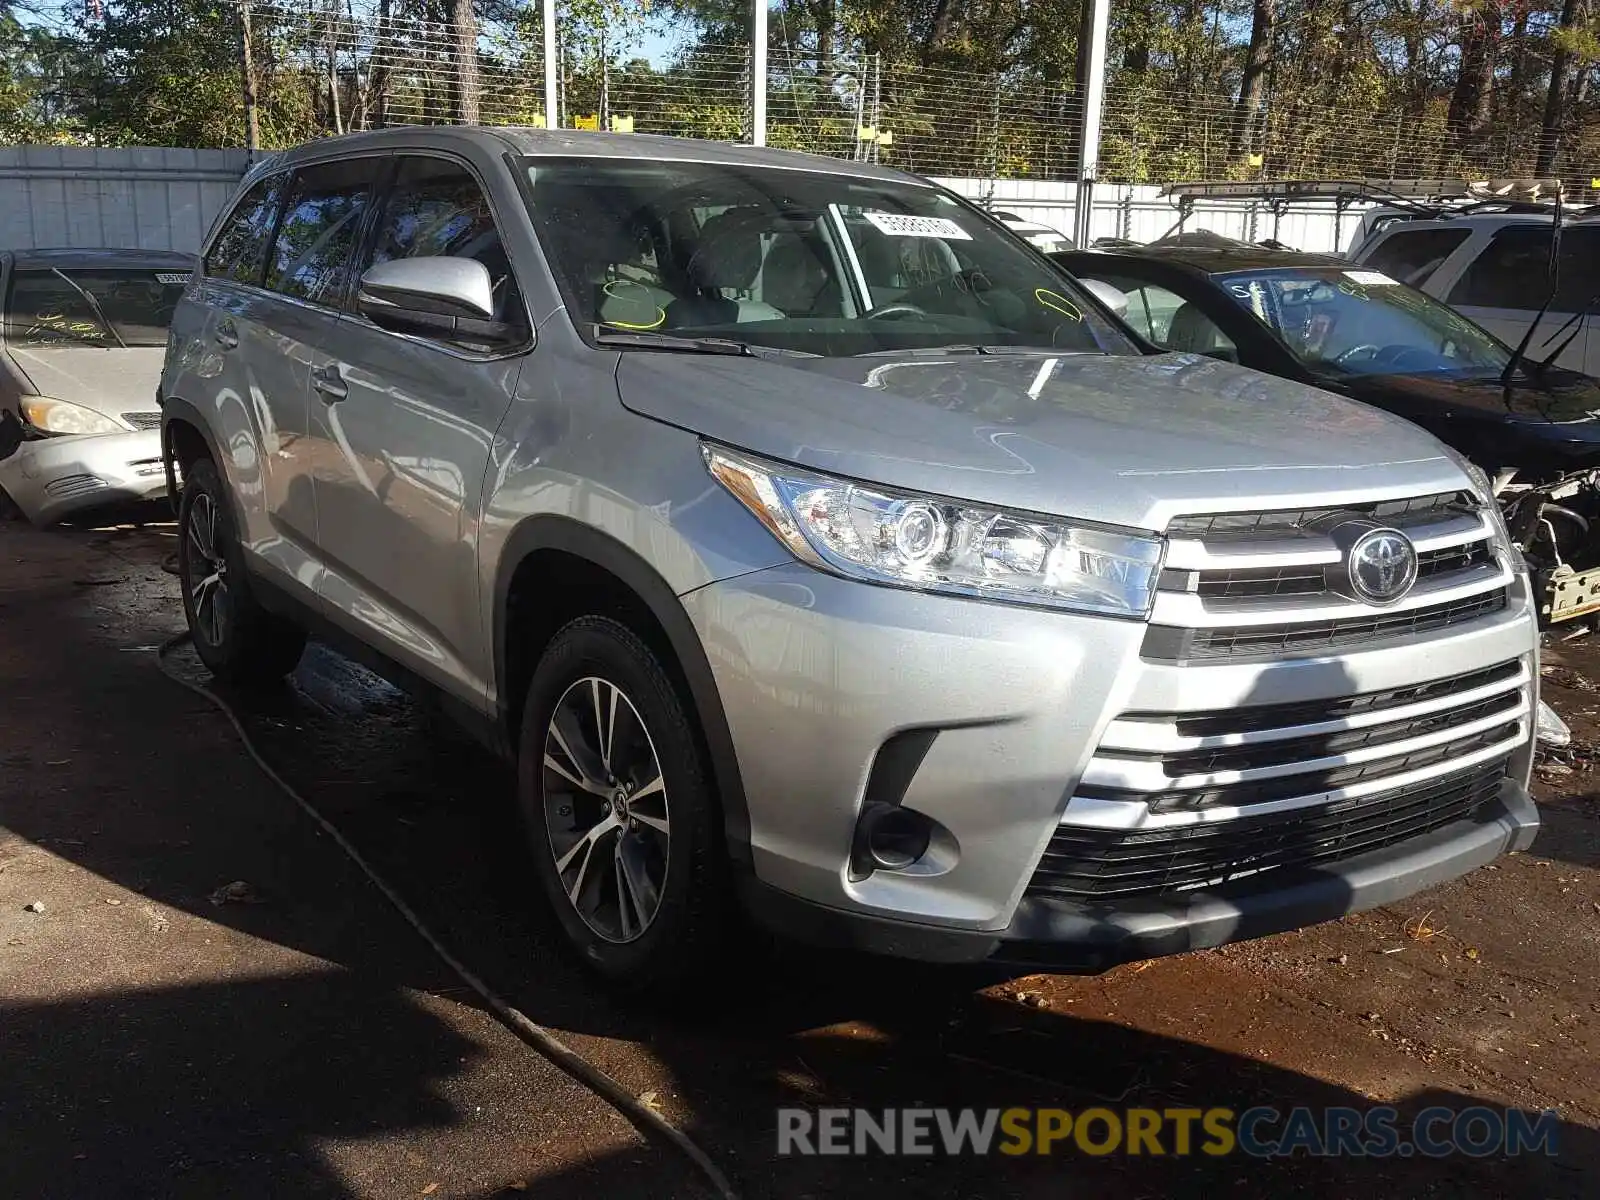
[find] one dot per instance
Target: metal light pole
(758, 72)
(1092, 87)
(552, 119)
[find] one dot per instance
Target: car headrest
(729, 253)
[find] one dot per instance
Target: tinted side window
(436, 207)
(321, 223)
(1514, 271)
(241, 244)
(1412, 255)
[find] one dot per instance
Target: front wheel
(237, 639)
(619, 810)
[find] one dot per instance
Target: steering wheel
(894, 311)
(1399, 354)
(1368, 348)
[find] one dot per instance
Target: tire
(679, 942)
(237, 639)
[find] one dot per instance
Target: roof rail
(1441, 194)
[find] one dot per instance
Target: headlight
(58, 416)
(1484, 487)
(940, 545)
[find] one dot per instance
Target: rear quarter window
(239, 250)
(1413, 255)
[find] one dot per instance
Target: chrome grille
(1085, 863)
(1308, 752)
(1312, 580)
(1265, 585)
(143, 420)
(1168, 644)
(1397, 514)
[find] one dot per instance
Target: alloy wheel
(208, 570)
(606, 812)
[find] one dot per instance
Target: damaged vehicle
(823, 555)
(82, 337)
(1532, 425)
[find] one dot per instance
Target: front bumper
(52, 478)
(1056, 935)
(819, 676)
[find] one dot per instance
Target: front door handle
(329, 381)
(226, 333)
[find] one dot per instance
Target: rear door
(246, 370)
(405, 426)
(1505, 285)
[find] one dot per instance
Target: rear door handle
(226, 334)
(330, 383)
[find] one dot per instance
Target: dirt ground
(164, 1035)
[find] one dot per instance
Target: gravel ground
(163, 1034)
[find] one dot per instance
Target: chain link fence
(353, 66)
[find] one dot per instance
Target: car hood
(111, 380)
(1125, 440)
(1546, 420)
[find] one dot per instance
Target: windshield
(1354, 322)
(797, 260)
(71, 307)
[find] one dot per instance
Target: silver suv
(824, 555)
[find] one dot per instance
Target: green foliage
(979, 87)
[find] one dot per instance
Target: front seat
(1192, 332)
(728, 258)
(794, 279)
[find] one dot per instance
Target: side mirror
(1112, 297)
(439, 297)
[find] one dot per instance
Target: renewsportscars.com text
(1260, 1132)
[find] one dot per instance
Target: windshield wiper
(644, 339)
(1518, 355)
(94, 305)
(1574, 323)
(967, 348)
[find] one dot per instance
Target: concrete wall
(145, 198)
(165, 199)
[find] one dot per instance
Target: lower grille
(74, 485)
(1164, 643)
(1106, 863)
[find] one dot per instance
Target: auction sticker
(1371, 279)
(164, 277)
(904, 225)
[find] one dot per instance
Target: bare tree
(465, 23)
(1555, 101)
(1472, 102)
(247, 66)
(1253, 83)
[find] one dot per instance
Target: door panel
(405, 427)
(250, 372)
(399, 485)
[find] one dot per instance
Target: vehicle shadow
(225, 1088)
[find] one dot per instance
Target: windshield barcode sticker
(902, 225)
(163, 277)
(1371, 279)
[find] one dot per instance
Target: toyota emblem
(1381, 566)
